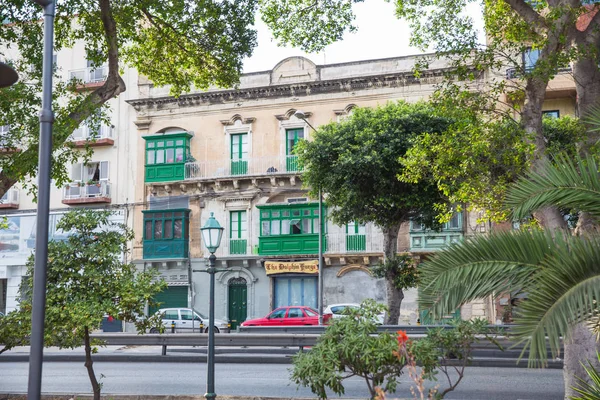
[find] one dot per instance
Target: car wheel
(216, 330)
(153, 330)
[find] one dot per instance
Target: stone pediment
(293, 70)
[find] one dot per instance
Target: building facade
(106, 181)
(229, 152)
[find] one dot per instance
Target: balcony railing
(89, 75)
(342, 243)
(517, 73)
(90, 192)
(85, 132)
(10, 199)
(244, 167)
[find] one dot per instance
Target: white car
(337, 311)
(184, 323)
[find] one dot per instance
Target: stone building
(229, 152)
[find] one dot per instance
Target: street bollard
(172, 326)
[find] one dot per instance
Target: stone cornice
(389, 80)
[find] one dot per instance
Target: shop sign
(295, 267)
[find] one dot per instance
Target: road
(263, 380)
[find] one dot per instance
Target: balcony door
(237, 232)
(92, 176)
(293, 136)
(239, 154)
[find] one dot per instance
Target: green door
(238, 301)
(427, 320)
(172, 296)
(239, 154)
(292, 138)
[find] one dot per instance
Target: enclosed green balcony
(166, 234)
(166, 156)
(426, 240)
(290, 229)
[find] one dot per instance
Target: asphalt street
(264, 380)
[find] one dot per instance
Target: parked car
(184, 323)
(340, 310)
(289, 315)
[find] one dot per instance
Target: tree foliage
(475, 160)
(87, 280)
(559, 271)
(401, 269)
(356, 163)
(179, 43)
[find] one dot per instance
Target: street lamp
(301, 115)
(38, 311)
(8, 76)
(211, 234)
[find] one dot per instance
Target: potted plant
(93, 182)
(81, 184)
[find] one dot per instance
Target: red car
(289, 315)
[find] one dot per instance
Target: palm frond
(563, 184)
(588, 390)
(481, 266)
(563, 293)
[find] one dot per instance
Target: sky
(380, 35)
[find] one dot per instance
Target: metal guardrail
(316, 329)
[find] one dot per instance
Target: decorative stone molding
(237, 117)
(289, 113)
(349, 268)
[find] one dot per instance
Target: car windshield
(199, 315)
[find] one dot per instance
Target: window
(290, 220)
(551, 113)
(171, 314)
(167, 225)
(93, 172)
(167, 151)
(279, 313)
(354, 228)
(293, 136)
(239, 146)
(186, 315)
(238, 225)
(455, 224)
(295, 313)
(310, 313)
(530, 58)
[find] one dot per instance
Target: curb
(241, 359)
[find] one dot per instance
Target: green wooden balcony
(165, 248)
(238, 246)
(290, 244)
(356, 243)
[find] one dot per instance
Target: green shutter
(172, 296)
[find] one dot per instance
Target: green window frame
(354, 228)
(289, 220)
(455, 224)
(239, 146)
(166, 225)
(238, 225)
(292, 137)
(169, 149)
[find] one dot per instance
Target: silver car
(338, 311)
(183, 322)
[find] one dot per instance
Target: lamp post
(301, 115)
(8, 76)
(211, 234)
(38, 312)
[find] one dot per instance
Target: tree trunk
(394, 295)
(89, 364)
(580, 347)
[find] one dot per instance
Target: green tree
(559, 272)
(87, 280)
(349, 348)
(180, 43)
(475, 161)
(355, 163)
